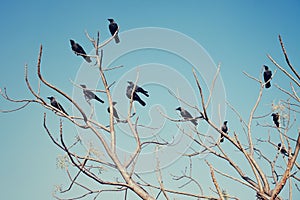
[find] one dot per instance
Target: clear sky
(237, 34)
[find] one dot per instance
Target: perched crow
(267, 76)
(78, 50)
(282, 149)
(275, 119)
(113, 27)
(135, 95)
(224, 128)
(138, 89)
(114, 111)
(186, 115)
(55, 104)
(89, 95)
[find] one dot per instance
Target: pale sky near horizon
(238, 35)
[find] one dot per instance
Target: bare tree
(259, 172)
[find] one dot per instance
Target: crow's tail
(117, 39)
(87, 59)
(145, 93)
(98, 99)
(141, 102)
(194, 122)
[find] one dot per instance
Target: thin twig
(287, 58)
(212, 174)
(283, 70)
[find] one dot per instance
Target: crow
(115, 114)
(138, 89)
(89, 95)
(186, 115)
(224, 128)
(135, 95)
(55, 104)
(282, 149)
(113, 27)
(267, 76)
(78, 50)
(275, 119)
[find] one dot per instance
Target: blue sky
(237, 34)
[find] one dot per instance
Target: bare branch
(284, 71)
(16, 109)
(294, 96)
(201, 95)
(287, 58)
(159, 175)
(212, 174)
(56, 89)
(212, 86)
(289, 167)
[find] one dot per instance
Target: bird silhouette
(79, 51)
(55, 104)
(282, 149)
(275, 119)
(186, 115)
(115, 113)
(224, 128)
(138, 89)
(113, 27)
(135, 96)
(267, 76)
(89, 95)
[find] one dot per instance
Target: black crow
(78, 50)
(267, 76)
(115, 114)
(89, 95)
(224, 128)
(275, 119)
(186, 115)
(138, 89)
(113, 27)
(135, 95)
(282, 149)
(55, 104)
